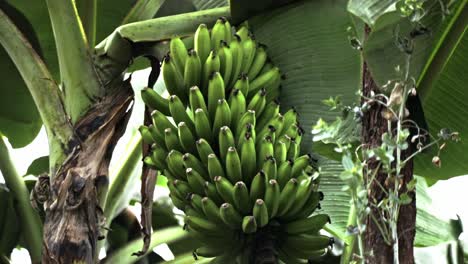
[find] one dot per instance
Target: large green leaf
(308, 40)
(370, 10)
(437, 62)
(207, 4)
(19, 118)
(431, 229)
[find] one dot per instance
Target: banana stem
(79, 79)
(167, 27)
(44, 90)
(29, 219)
(87, 9)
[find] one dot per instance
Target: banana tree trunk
(73, 197)
(377, 250)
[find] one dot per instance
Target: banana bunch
(231, 158)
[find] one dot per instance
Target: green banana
(146, 135)
(300, 164)
(193, 69)
(196, 203)
(187, 140)
(284, 172)
(270, 111)
(247, 118)
(230, 216)
(196, 99)
(159, 154)
(280, 151)
(155, 101)
(272, 197)
(258, 187)
(270, 168)
(218, 33)
(202, 125)
(237, 55)
(227, 31)
(212, 193)
(238, 106)
(182, 189)
(286, 197)
(309, 242)
(242, 84)
(267, 80)
(225, 189)
(260, 212)
(204, 149)
(226, 140)
(311, 225)
(257, 103)
(258, 62)
(196, 181)
(179, 53)
(178, 112)
(243, 33)
(249, 48)
(173, 77)
(172, 140)
(233, 165)
(226, 60)
(248, 159)
(202, 42)
(249, 225)
(203, 226)
(175, 165)
(222, 116)
(211, 210)
(241, 197)
(161, 122)
(148, 160)
(156, 134)
(214, 166)
(265, 150)
(211, 65)
(191, 161)
(215, 93)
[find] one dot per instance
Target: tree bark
(72, 199)
(373, 126)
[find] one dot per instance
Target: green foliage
(39, 166)
(19, 119)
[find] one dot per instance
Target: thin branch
(42, 87)
(28, 218)
(80, 82)
(87, 9)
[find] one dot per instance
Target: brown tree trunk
(373, 126)
(73, 196)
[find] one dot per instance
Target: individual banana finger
(230, 216)
(311, 225)
(179, 53)
(260, 212)
(233, 165)
(249, 224)
(241, 198)
(192, 69)
(187, 140)
(202, 42)
(155, 101)
(258, 62)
